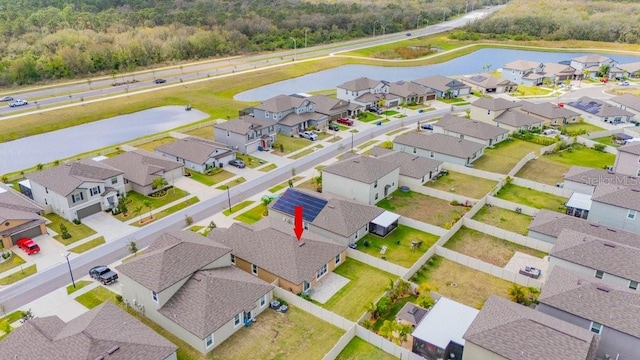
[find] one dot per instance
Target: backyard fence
(473, 172)
(418, 264)
(444, 195)
(313, 309)
(517, 167)
(474, 210)
(549, 189)
(385, 345)
(603, 133)
(384, 265)
(590, 143)
(431, 229)
(505, 204)
(341, 344)
(508, 235)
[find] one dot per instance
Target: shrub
(366, 243)
(64, 232)
(119, 297)
(188, 220)
(77, 221)
(599, 147)
(454, 202)
(305, 296)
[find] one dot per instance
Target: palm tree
(149, 205)
(159, 183)
(517, 294)
(138, 211)
(373, 309)
(387, 329)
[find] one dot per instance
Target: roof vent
(635, 189)
(594, 225)
(113, 349)
(331, 206)
(611, 245)
(604, 288)
(412, 311)
(612, 230)
(300, 242)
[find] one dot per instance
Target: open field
(582, 156)
(205, 132)
(398, 243)
(152, 145)
(463, 184)
(533, 198)
(137, 203)
(504, 219)
(505, 155)
(543, 170)
(581, 126)
(423, 208)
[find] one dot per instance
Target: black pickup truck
(103, 274)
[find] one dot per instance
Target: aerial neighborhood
(438, 218)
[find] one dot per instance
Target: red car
(29, 246)
(345, 121)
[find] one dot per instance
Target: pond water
(468, 64)
(40, 149)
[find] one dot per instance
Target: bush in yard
(188, 220)
(454, 203)
(77, 221)
(599, 147)
(384, 305)
(366, 243)
(119, 297)
(64, 232)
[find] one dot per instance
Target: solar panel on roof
(292, 198)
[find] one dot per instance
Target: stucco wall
(613, 280)
(627, 164)
(613, 216)
(475, 352)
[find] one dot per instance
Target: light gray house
(584, 179)
(556, 73)
(443, 86)
(439, 147)
(105, 332)
(334, 108)
(289, 114)
(486, 83)
(507, 330)
(515, 120)
(77, 189)
(362, 178)
(363, 91)
(601, 110)
(630, 70)
(19, 217)
(592, 63)
(186, 283)
(628, 161)
(616, 206)
(414, 170)
(524, 72)
(473, 130)
(614, 262)
(590, 304)
(196, 153)
(628, 102)
(245, 134)
(550, 114)
(407, 92)
(141, 168)
(488, 109)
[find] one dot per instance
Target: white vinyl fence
(549, 189)
(473, 172)
(508, 235)
(444, 195)
(509, 205)
(378, 263)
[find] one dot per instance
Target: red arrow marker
(298, 229)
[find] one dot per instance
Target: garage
(28, 233)
(89, 210)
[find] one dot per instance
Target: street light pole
(229, 198)
(66, 256)
(295, 48)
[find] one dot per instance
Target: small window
(338, 258)
(236, 320)
(320, 273)
(228, 133)
(599, 274)
(114, 180)
(631, 214)
(208, 341)
(414, 150)
(266, 114)
(376, 196)
(596, 327)
(154, 296)
(254, 269)
(305, 225)
(263, 301)
(47, 189)
(633, 285)
(375, 184)
(638, 173)
(432, 154)
(233, 259)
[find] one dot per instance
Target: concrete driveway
(108, 226)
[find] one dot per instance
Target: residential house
(439, 147)
(630, 70)
(196, 153)
(473, 130)
(141, 168)
(342, 220)
(407, 92)
(414, 170)
(557, 73)
(524, 72)
(590, 65)
(363, 91)
(504, 330)
(19, 217)
(515, 120)
(269, 251)
(488, 109)
(290, 114)
(186, 284)
(616, 206)
(411, 314)
(601, 110)
(614, 262)
(245, 134)
(443, 86)
(334, 108)
(488, 84)
(590, 304)
(440, 333)
(105, 332)
(362, 178)
(584, 180)
(628, 160)
(550, 114)
(77, 189)
(628, 102)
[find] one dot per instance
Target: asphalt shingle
(195, 149)
(142, 167)
(362, 168)
(65, 178)
(440, 143)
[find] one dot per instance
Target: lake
(468, 64)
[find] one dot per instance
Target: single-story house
(19, 217)
(141, 168)
(488, 109)
(443, 86)
(196, 153)
(440, 333)
(473, 130)
(411, 314)
(488, 84)
(77, 189)
(293, 123)
(334, 108)
(414, 170)
(439, 147)
(270, 251)
(524, 72)
(363, 91)
(104, 332)
(550, 114)
(630, 70)
(515, 120)
(628, 160)
(507, 330)
(628, 102)
(362, 178)
(245, 134)
(407, 92)
(601, 110)
(187, 284)
(616, 206)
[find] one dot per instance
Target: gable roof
(593, 177)
(362, 83)
(631, 148)
(242, 125)
(473, 128)
(281, 103)
(211, 298)
(142, 167)
(558, 69)
(590, 299)
(293, 119)
(598, 107)
(441, 83)
(164, 263)
(194, 149)
(15, 206)
(406, 89)
(522, 65)
(93, 334)
(591, 58)
(440, 143)
(515, 118)
(630, 67)
(514, 331)
(494, 104)
(65, 178)
(628, 100)
(627, 197)
(272, 246)
(411, 313)
(547, 110)
(487, 81)
(331, 106)
(411, 165)
(363, 169)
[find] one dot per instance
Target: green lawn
(269, 168)
(250, 161)
(14, 261)
(607, 140)
(10, 318)
(79, 285)
(289, 143)
(504, 219)
(463, 184)
(253, 215)
(367, 144)
(77, 232)
(305, 152)
(367, 116)
(580, 126)
(95, 297)
(136, 201)
(284, 184)
(205, 132)
(505, 155)
(524, 90)
(398, 243)
(366, 285)
(358, 349)
(168, 211)
(237, 207)
(583, 156)
(88, 245)
(17, 276)
(423, 208)
(232, 183)
(533, 198)
(544, 170)
(210, 180)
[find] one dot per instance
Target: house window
(233, 259)
(415, 150)
(263, 301)
(633, 285)
(599, 274)
(305, 225)
(254, 269)
(236, 320)
(375, 184)
(357, 234)
(338, 259)
(228, 133)
(376, 196)
(320, 273)
(596, 327)
(94, 190)
(631, 214)
(114, 180)
(208, 341)
(488, 112)
(154, 296)
(431, 155)
(77, 197)
(47, 189)
(266, 114)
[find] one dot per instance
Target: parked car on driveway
(18, 102)
(159, 81)
(29, 246)
(103, 274)
(334, 127)
(308, 135)
(345, 121)
(6, 98)
(426, 127)
(237, 163)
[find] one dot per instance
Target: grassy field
(423, 208)
(580, 126)
(533, 198)
(269, 168)
(486, 247)
(607, 140)
(305, 152)
(289, 144)
(367, 144)
(284, 184)
(398, 243)
(137, 201)
(17, 276)
(543, 170)
(463, 184)
(524, 90)
(358, 349)
(14, 261)
(253, 215)
(77, 232)
(504, 219)
(460, 283)
(232, 183)
(505, 155)
(309, 185)
(152, 145)
(250, 161)
(79, 285)
(210, 180)
(237, 207)
(168, 211)
(88, 245)
(582, 156)
(205, 132)
(95, 297)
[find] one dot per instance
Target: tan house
(186, 283)
(489, 84)
(196, 153)
(19, 217)
(473, 130)
(407, 92)
(334, 108)
(414, 170)
(488, 109)
(550, 114)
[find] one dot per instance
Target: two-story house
(19, 217)
(616, 206)
(363, 91)
(289, 114)
(77, 189)
(473, 130)
(414, 170)
(550, 114)
(488, 109)
(362, 178)
(196, 153)
(591, 64)
(628, 160)
(186, 283)
(524, 72)
(439, 147)
(630, 70)
(245, 134)
(601, 110)
(488, 84)
(444, 87)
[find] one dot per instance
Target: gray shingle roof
(86, 337)
(522, 65)
(281, 103)
(593, 177)
(631, 148)
(487, 81)
(547, 110)
(411, 313)
(331, 106)
(361, 168)
(15, 206)
(626, 197)
(632, 68)
(411, 165)
(628, 100)
(598, 254)
(406, 89)
(601, 108)
(515, 118)
(516, 332)
(243, 125)
(441, 83)
(591, 58)
(293, 119)
(590, 299)
(194, 149)
(558, 69)
(163, 263)
(359, 84)
(473, 128)
(211, 298)
(142, 167)
(65, 178)
(440, 143)
(494, 104)
(272, 246)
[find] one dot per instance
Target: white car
(6, 98)
(308, 135)
(18, 102)
(623, 83)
